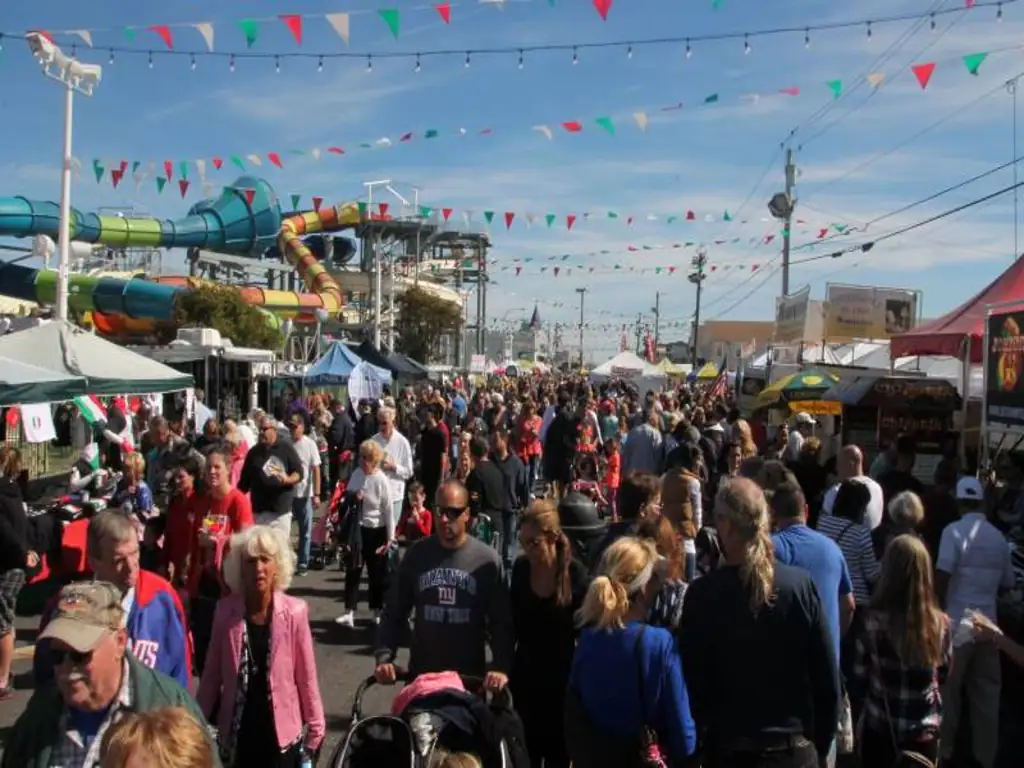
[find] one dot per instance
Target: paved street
(343, 657)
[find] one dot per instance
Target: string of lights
(687, 42)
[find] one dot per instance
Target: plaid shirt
(71, 750)
(913, 694)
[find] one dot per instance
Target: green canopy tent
(107, 369)
(22, 384)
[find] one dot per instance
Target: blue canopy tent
(334, 368)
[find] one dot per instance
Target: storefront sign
(1004, 390)
(791, 313)
(919, 393)
(864, 312)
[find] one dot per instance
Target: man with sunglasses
(270, 474)
(96, 683)
(456, 586)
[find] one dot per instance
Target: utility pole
(697, 277)
(781, 208)
(639, 326)
(657, 319)
(583, 293)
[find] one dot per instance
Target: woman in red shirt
(528, 445)
(179, 533)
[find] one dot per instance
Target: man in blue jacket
(155, 620)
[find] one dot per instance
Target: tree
(423, 319)
(223, 308)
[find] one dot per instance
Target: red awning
(946, 335)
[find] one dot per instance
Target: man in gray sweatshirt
(455, 584)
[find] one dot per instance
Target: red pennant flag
(570, 220)
(518, 270)
(336, 150)
(753, 267)
(671, 270)
(794, 91)
(218, 163)
(294, 23)
(168, 169)
(632, 248)
(183, 186)
(508, 219)
(317, 202)
(629, 222)
(486, 131)
(383, 209)
(556, 271)
(691, 216)
(768, 239)
(573, 126)
(44, 34)
(406, 137)
(164, 32)
(250, 195)
(603, 6)
(923, 73)
(124, 167)
(822, 233)
(446, 212)
(714, 267)
(968, 4)
(445, 11)
(115, 176)
(275, 159)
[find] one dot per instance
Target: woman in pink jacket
(260, 672)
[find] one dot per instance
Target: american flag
(721, 382)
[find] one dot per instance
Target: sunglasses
(451, 512)
(77, 658)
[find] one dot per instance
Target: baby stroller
(484, 530)
(324, 542)
(448, 720)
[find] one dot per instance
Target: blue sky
(865, 163)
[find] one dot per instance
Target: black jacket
(341, 436)
(13, 526)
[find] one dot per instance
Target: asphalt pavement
(344, 656)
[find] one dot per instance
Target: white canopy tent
(633, 369)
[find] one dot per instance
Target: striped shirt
(854, 540)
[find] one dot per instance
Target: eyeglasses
(77, 658)
(450, 512)
(531, 543)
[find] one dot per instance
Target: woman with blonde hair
(260, 674)
(160, 738)
(626, 677)
(741, 434)
(668, 539)
(901, 659)
(681, 502)
(757, 649)
(547, 589)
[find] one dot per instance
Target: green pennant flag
(392, 19)
(657, 270)
(726, 216)
(671, 219)
(295, 202)
(712, 99)
(840, 228)
(98, 169)
(135, 166)
(161, 182)
(973, 60)
(607, 124)
(299, 152)
(612, 215)
(425, 212)
(251, 29)
(836, 86)
(785, 233)
(129, 34)
(550, 219)
(183, 169)
(489, 215)
(366, 145)
(362, 210)
(647, 248)
(716, 4)
(237, 162)
(617, 266)
(430, 134)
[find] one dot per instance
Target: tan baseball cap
(86, 612)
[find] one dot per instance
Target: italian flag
(91, 453)
(91, 409)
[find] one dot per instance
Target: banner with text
(791, 313)
(1004, 389)
(864, 312)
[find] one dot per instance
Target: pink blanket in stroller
(431, 682)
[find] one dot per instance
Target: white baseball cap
(969, 489)
(804, 418)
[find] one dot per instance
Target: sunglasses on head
(77, 658)
(450, 512)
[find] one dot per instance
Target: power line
(770, 274)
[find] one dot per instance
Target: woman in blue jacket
(627, 676)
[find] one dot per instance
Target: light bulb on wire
(74, 50)
(746, 45)
(807, 38)
(320, 64)
(629, 52)
(467, 59)
(277, 64)
(869, 30)
(111, 60)
(231, 63)
(575, 56)
(192, 64)
(417, 67)
(933, 24)
(369, 63)
(999, 12)
(689, 50)
(520, 58)
(150, 59)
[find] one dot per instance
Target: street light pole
(375, 244)
(583, 293)
(697, 277)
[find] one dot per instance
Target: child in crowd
(612, 472)
(418, 521)
(586, 480)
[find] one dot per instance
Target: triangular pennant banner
(340, 23)
(444, 10)
(275, 159)
(315, 153)
(250, 195)
(115, 177)
(383, 208)
(836, 86)
(550, 219)
(362, 210)
(602, 7)
(545, 130)
(607, 124)
(129, 34)
(294, 23)
(712, 99)
(446, 213)
(254, 159)
(206, 30)
(875, 79)
(183, 169)
(238, 162)
(217, 163)
(570, 220)
(86, 36)
(425, 212)
(641, 120)
(509, 216)
(974, 60)
(489, 216)
(573, 126)
(183, 186)
(392, 18)
(295, 202)
(201, 170)
(135, 166)
(161, 182)
(168, 169)
(251, 29)
(923, 73)
(317, 202)
(164, 33)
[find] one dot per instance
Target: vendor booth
(633, 369)
(336, 366)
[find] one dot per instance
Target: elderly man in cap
(96, 683)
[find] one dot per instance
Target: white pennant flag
(206, 30)
(529, 220)
(462, 131)
(86, 36)
(201, 170)
(383, 142)
(875, 79)
(545, 130)
(340, 23)
(254, 159)
(641, 120)
(468, 216)
(315, 152)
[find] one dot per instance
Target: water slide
(245, 220)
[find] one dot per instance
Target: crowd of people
(656, 580)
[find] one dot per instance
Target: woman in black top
(547, 589)
(15, 556)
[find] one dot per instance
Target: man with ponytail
(756, 648)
